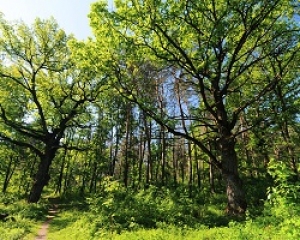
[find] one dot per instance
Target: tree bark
(61, 173)
(128, 145)
(236, 200)
(42, 176)
(41, 180)
(148, 130)
(9, 172)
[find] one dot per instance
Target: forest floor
(149, 215)
(53, 210)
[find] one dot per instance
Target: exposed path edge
(42, 233)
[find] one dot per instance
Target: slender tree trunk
(149, 155)
(94, 167)
(157, 165)
(285, 129)
(68, 176)
(183, 161)
(163, 156)
(93, 182)
(289, 148)
(198, 170)
(127, 145)
(9, 172)
(61, 173)
(142, 147)
(250, 160)
(212, 177)
(211, 172)
(175, 163)
(190, 162)
(114, 149)
(31, 166)
(84, 178)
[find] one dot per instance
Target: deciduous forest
(176, 120)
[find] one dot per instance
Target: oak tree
(43, 92)
(227, 55)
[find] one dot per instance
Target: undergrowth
(161, 213)
(22, 219)
(158, 213)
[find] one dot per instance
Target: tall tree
(223, 51)
(43, 93)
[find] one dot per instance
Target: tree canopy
(165, 93)
(44, 92)
(214, 61)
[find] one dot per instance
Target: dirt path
(42, 234)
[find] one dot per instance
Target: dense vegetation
(178, 120)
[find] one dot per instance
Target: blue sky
(71, 15)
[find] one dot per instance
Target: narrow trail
(42, 233)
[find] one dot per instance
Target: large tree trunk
(41, 180)
(42, 176)
(237, 203)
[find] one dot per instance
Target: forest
(176, 120)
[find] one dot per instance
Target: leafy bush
(162, 213)
(282, 207)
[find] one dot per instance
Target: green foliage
(153, 213)
(234, 57)
(282, 207)
(286, 189)
(224, 66)
(23, 217)
(118, 210)
(162, 214)
(147, 209)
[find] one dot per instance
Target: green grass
(154, 214)
(24, 219)
(151, 214)
(83, 228)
